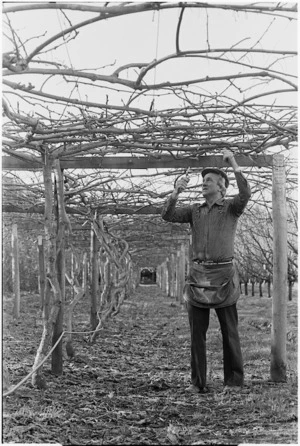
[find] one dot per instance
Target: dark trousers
(232, 354)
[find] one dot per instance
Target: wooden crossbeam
(143, 162)
(130, 210)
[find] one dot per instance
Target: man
(213, 278)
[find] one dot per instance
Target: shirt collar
(219, 202)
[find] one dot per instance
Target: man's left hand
(227, 155)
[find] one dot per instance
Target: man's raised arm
(179, 215)
(239, 201)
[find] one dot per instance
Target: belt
(211, 262)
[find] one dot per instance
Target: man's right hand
(180, 185)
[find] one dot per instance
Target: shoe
(195, 389)
(232, 389)
(204, 390)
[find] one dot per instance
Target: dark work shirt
(213, 228)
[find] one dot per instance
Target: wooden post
(163, 278)
(158, 276)
(84, 273)
(58, 326)
(280, 269)
(15, 271)
(102, 261)
(177, 279)
(168, 275)
(72, 273)
(269, 286)
(172, 276)
(57, 354)
(291, 284)
(94, 280)
(178, 276)
(181, 272)
(176, 261)
(88, 279)
(190, 254)
(42, 272)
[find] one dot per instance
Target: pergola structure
(112, 140)
(279, 328)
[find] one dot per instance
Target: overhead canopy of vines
(88, 84)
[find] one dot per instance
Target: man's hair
(221, 183)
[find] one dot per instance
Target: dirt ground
(130, 386)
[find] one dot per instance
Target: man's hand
(180, 186)
(228, 157)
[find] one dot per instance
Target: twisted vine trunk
(94, 279)
(60, 268)
(79, 292)
(49, 314)
(116, 273)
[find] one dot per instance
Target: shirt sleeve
(176, 215)
(240, 200)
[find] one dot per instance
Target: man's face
(210, 185)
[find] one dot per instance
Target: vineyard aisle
(129, 387)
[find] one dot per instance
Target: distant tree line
(254, 247)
